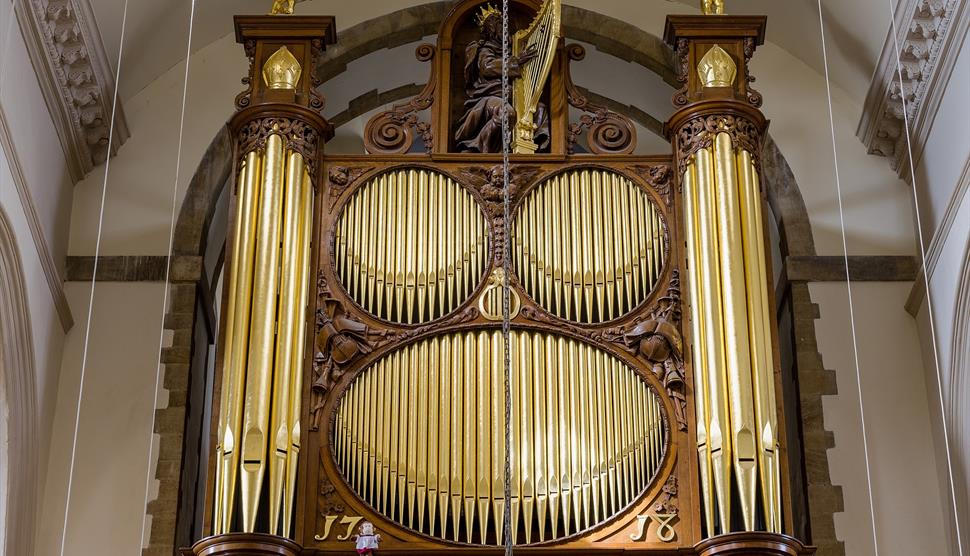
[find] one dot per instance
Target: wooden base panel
(735, 544)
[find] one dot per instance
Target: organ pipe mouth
(419, 437)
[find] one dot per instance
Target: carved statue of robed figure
(480, 128)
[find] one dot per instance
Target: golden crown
(487, 12)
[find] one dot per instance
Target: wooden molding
(135, 268)
(930, 34)
(51, 272)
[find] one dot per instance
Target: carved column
(717, 136)
(279, 136)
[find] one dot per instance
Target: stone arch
(205, 191)
(18, 375)
(958, 398)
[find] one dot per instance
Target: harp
(542, 35)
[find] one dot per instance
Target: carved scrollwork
(317, 101)
(683, 55)
(342, 177)
(490, 184)
(467, 314)
(392, 131)
(300, 136)
(657, 340)
(660, 178)
(698, 133)
(754, 97)
(339, 341)
(245, 98)
(667, 504)
(606, 131)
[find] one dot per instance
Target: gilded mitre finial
(712, 7)
(717, 68)
(282, 70)
(487, 11)
(282, 7)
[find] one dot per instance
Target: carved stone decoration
(667, 504)
(65, 48)
(339, 340)
(342, 177)
(660, 177)
(606, 131)
(480, 127)
(299, 136)
(490, 184)
(698, 133)
(910, 77)
(658, 341)
(392, 132)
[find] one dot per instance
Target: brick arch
(173, 516)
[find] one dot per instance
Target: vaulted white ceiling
(156, 32)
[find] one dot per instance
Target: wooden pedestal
(244, 544)
(753, 544)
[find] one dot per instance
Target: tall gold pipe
(698, 323)
(237, 337)
(287, 342)
(719, 437)
(737, 354)
(761, 343)
(262, 334)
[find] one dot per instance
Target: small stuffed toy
(367, 541)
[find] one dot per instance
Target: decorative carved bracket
(606, 131)
(392, 132)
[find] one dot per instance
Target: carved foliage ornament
(299, 136)
(392, 132)
(606, 131)
(489, 182)
(342, 177)
(659, 176)
(698, 133)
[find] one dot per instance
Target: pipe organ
(362, 373)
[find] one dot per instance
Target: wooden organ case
(362, 371)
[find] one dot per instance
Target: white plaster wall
(908, 513)
(39, 155)
(107, 503)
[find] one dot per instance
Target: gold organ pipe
(287, 342)
(588, 245)
(237, 337)
(737, 354)
(411, 246)
(761, 342)
(442, 434)
(698, 325)
(259, 370)
(719, 434)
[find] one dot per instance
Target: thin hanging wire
(506, 292)
(168, 269)
(926, 280)
(848, 283)
(94, 279)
